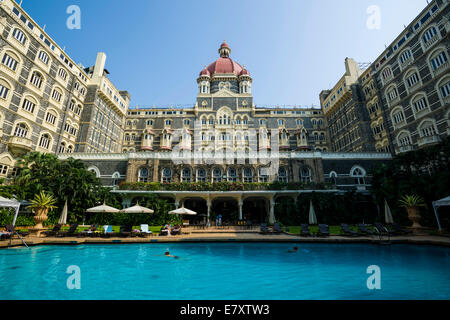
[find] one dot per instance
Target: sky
(293, 49)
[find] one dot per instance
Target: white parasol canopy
(102, 209)
(137, 209)
(182, 211)
(387, 213)
(312, 214)
(63, 218)
(8, 203)
(436, 205)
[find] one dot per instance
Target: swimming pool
(235, 271)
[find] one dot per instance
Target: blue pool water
(243, 271)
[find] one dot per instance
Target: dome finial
(224, 50)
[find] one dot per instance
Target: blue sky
(156, 49)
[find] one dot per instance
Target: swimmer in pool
(167, 254)
(295, 249)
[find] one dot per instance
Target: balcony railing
(429, 140)
(431, 41)
(406, 148)
(442, 68)
(19, 145)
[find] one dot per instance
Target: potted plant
(41, 204)
(412, 204)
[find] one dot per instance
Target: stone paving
(224, 235)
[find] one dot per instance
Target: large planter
(414, 216)
(40, 217)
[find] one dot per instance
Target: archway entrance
(255, 210)
(198, 205)
(227, 207)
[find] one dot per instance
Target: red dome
(244, 72)
(225, 65)
(224, 44)
(205, 72)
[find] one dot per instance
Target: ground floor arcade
(255, 206)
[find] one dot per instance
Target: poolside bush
(424, 172)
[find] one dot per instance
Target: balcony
(19, 145)
(406, 148)
(406, 63)
(431, 42)
(442, 68)
(429, 140)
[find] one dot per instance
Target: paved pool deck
(218, 235)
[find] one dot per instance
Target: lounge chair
(69, 232)
(277, 228)
(12, 229)
(382, 229)
(324, 230)
(397, 229)
(363, 229)
(108, 231)
(5, 235)
(89, 232)
(305, 231)
(125, 231)
(145, 232)
(264, 229)
(56, 229)
(346, 229)
(164, 231)
(176, 230)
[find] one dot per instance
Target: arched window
(36, 79)
(358, 175)
(397, 116)
(4, 89)
(44, 141)
(430, 37)
(404, 138)
(263, 174)
(427, 128)
(186, 175)
(282, 175)
(10, 60)
(143, 175)
(167, 175)
(43, 56)
(232, 175)
(94, 170)
(305, 175)
(412, 80)
(57, 95)
(115, 178)
(201, 175)
(443, 88)
(248, 175)
(438, 60)
(20, 36)
(62, 147)
(405, 58)
(333, 177)
(217, 175)
(21, 130)
(391, 94)
(419, 103)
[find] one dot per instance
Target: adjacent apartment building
(405, 92)
(46, 98)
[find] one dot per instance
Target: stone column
(126, 202)
(209, 204)
(241, 203)
(272, 211)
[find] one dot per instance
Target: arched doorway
(255, 210)
(227, 207)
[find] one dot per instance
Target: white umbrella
(312, 214)
(137, 209)
(182, 211)
(103, 208)
(387, 213)
(63, 218)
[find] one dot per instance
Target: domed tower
(245, 82)
(224, 73)
(204, 82)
